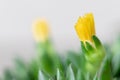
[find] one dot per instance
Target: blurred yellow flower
(40, 30)
(85, 27)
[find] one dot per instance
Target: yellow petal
(40, 30)
(85, 27)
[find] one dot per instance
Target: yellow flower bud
(85, 27)
(40, 30)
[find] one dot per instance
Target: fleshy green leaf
(74, 59)
(96, 41)
(84, 50)
(41, 76)
(87, 76)
(47, 64)
(89, 47)
(59, 75)
(70, 74)
(95, 77)
(105, 70)
(79, 75)
(116, 64)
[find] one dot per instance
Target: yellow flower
(40, 30)
(85, 27)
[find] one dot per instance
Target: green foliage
(94, 62)
(116, 58)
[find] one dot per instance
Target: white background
(16, 17)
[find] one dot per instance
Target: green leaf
(105, 72)
(77, 60)
(89, 47)
(115, 49)
(96, 42)
(8, 74)
(59, 75)
(95, 77)
(87, 76)
(116, 64)
(80, 75)
(20, 71)
(84, 50)
(47, 64)
(74, 58)
(70, 74)
(41, 76)
(33, 69)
